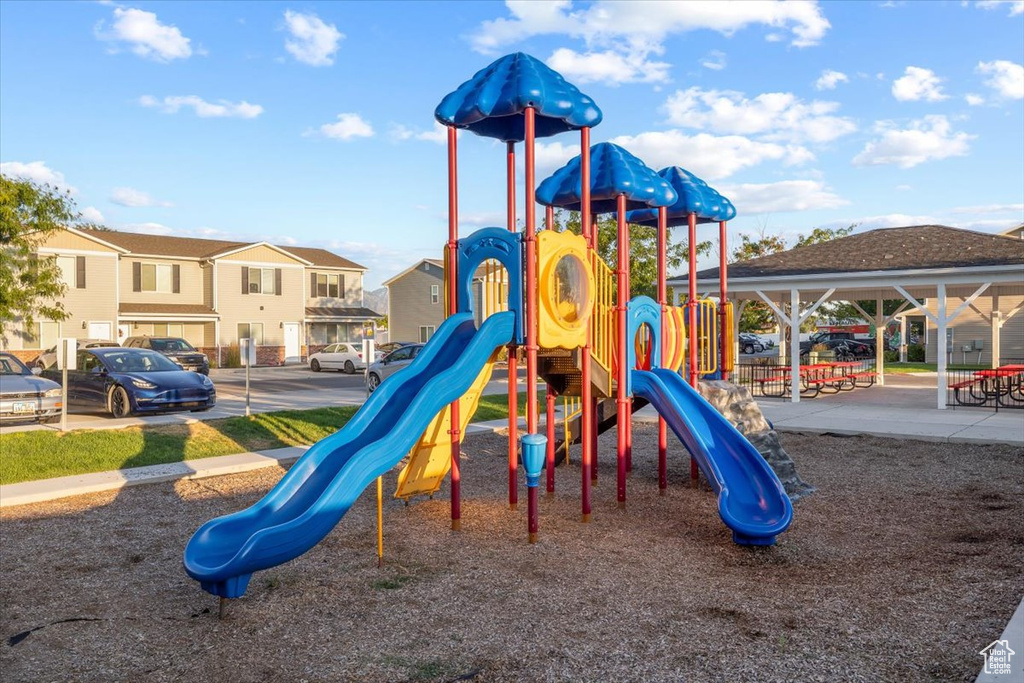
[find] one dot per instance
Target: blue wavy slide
(324, 483)
(751, 499)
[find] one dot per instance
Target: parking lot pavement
(294, 387)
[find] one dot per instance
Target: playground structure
(551, 294)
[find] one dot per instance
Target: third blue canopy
(693, 196)
(613, 172)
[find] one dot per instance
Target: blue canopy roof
(613, 171)
(492, 103)
(694, 196)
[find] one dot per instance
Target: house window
(426, 332)
(253, 331)
(43, 334)
(435, 294)
(328, 285)
(157, 277)
(66, 264)
(341, 332)
(262, 281)
(168, 330)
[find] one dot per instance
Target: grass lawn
(926, 367)
(43, 454)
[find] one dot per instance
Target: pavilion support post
(782, 336)
(903, 339)
(997, 327)
(940, 304)
(794, 345)
(879, 342)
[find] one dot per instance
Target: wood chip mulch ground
(907, 561)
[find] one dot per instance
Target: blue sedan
(124, 381)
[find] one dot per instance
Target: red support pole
(622, 417)
(723, 294)
(453, 263)
(550, 455)
(513, 371)
(593, 422)
(587, 441)
(692, 311)
(531, 274)
(662, 299)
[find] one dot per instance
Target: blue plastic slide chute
(751, 499)
(324, 483)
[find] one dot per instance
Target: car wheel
(758, 348)
(349, 367)
(120, 405)
(314, 365)
(748, 349)
(372, 382)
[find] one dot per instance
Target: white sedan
(341, 356)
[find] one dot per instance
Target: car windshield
(138, 360)
(9, 365)
(165, 345)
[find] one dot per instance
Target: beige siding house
(211, 292)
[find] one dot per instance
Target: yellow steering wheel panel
(565, 289)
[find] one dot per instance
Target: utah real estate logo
(997, 657)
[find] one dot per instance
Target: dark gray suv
(175, 348)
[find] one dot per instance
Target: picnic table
(816, 378)
(1004, 385)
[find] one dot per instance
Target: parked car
(23, 396)
(845, 349)
(390, 364)
(48, 358)
(123, 381)
(384, 349)
(750, 343)
(175, 348)
(826, 337)
(342, 356)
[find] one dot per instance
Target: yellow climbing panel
(431, 457)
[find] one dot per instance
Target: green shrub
(232, 357)
(915, 353)
(892, 356)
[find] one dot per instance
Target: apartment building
(291, 300)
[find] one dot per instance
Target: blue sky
(311, 123)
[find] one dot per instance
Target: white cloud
(891, 220)
(202, 108)
(1006, 78)
(127, 196)
(437, 134)
(927, 139)
(904, 188)
(481, 219)
(829, 79)
(609, 66)
(787, 195)
(918, 84)
(620, 37)
(715, 60)
(91, 214)
(990, 208)
(1016, 6)
(151, 229)
(550, 156)
(974, 100)
(780, 116)
(145, 35)
(710, 157)
(312, 41)
(38, 172)
(348, 126)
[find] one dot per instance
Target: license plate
(24, 407)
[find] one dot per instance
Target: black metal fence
(772, 379)
(996, 389)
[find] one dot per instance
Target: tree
(30, 287)
(643, 250)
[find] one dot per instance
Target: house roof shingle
(357, 312)
(194, 247)
(915, 247)
(166, 309)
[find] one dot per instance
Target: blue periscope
(751, 499)
(324, 483)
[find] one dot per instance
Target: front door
(100, 331)
(292, 350)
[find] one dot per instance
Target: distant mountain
(376, 300)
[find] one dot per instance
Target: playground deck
(903, 566)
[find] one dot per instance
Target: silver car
(390, 364)
(23, 396)
(48, 358)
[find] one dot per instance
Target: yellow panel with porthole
(565, 288)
